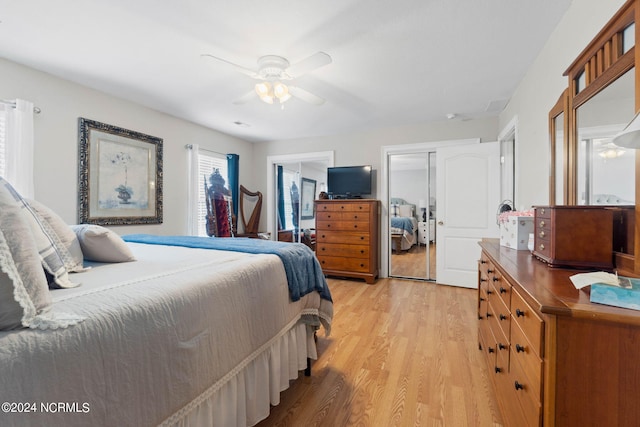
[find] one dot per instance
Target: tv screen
(349, 181)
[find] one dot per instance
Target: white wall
(538, 92)
(56, 142)
(366, 147)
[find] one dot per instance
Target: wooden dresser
(347, 237)
(554, 358)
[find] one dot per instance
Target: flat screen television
(349, 181)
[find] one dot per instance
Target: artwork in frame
(307, 198)
(120, 175)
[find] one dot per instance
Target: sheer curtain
(18, 145)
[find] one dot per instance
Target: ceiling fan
(273, 71)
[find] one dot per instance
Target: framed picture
(307, 197)
(120, 175)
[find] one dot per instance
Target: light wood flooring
(413, 262)
(401, 353)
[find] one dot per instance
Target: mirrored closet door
(411, 208)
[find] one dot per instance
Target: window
(207, 163)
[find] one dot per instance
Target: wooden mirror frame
(562, 106)
(602, 62)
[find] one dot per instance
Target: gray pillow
(64, 238)
(100, 244)
(24, 293)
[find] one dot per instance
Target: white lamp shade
(630, 135)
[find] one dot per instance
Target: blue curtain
(281, 218)
(233, 164)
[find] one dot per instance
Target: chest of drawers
(347, 237)
(576, 236)
(553, 357)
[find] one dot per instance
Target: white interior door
(468, 193)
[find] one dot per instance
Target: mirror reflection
(411, 215)
(605, 172)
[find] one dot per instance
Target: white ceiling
(395, 62)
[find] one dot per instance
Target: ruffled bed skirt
(244, 396)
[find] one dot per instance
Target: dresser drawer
(501, 287)
(529, 322)
(499, 320)
(340, 263)
(527, 394)
(342, 216)
(343, 225)
(345, 237)
(343, 207)
(342, 250)
(530, 363)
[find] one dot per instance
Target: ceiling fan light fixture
(265, 92)
(281, 91)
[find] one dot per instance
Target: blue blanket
(303, 270)
(402, 222)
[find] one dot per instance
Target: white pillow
(64, 238)
(100, 244)
(406, 210)
(24, 293)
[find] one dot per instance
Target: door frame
(386, 150)
(272, 162)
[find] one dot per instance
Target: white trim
(272, 161)
(386, 150)
(508, 132)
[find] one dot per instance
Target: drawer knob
(498, 370)
(502, 346)
(480, 317)
(355, 226)
(491, 350)
(503, 317)
(542, 211)
(328, 225)
(519, 386)
(323, 236)
(361, 237)
(542, 223)
(490, 271)
(482, 299)
(519, 313)
(541, 234)
(519, 348)
(482, 279)
(541, 246)
(323, 248)
(503, 290)
(495, 279)
(361, 265)
(483, 261)
(489, 292)
(355, 217)
(362, 251)
(489, 315)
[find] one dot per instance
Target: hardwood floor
(401, 353)
(413, 262)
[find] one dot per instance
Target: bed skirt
(244, 396)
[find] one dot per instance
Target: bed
(404, 225)
(188, 334)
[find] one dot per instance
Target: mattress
(161, 336)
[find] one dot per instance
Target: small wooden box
(575, 236)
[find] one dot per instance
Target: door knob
(440, 222)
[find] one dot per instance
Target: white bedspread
(172, 327)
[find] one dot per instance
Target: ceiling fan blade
(243, 70)
(305, 95)
(245, 98)
(310, 63)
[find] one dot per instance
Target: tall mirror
(605, 172)
(411, 210)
